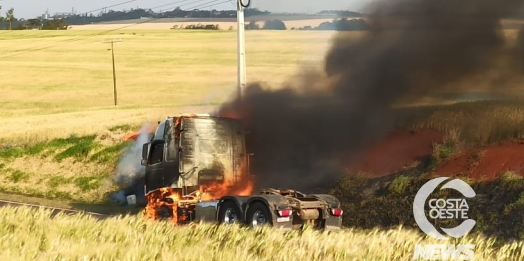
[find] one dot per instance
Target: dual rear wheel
(257, 214)
(229, 213)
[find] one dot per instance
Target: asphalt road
(55, 210)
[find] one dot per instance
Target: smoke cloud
(301, 135)
(129, 168)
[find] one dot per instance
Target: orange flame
(166, 203)
(131, 136)
(217, 190)
(162, 203)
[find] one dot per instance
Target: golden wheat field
(29, 234)
(57, 83)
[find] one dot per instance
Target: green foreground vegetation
(76, 168)
(29, 234)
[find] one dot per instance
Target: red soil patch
(398, 150)
(487, 163)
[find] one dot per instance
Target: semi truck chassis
(279, 208)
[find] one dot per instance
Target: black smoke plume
(301, 135)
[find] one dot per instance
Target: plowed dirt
(486, 163)
(401, 149)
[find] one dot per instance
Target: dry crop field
(58, 82)
(29, 234)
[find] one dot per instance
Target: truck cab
(194, 150)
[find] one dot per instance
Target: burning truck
(197, 169)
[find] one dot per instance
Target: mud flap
(333, 223)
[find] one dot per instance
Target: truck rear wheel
(258, 215)
(228, 213)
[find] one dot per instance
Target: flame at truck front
(191, 159)
(162, 203)
(166, 203)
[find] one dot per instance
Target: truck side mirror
(145, 153)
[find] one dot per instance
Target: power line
(105, 7)
(164, 5)
(151, 8)
(30, 49)
(160, 6)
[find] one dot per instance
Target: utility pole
(241, 4)
(114, 71)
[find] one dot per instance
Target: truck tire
(229, 213)
(258, 215)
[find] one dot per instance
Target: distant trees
(201, 27)
(252, 26)
(143, 13)
(7, 21)
(268, 25)
(274, 25)
(10, 17)
(342, 24)
(55, 24)
(10, 22)
(198, 26)
(33, 24)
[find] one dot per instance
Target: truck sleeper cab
(190, 151)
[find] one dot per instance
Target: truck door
(154, 176)
(171, 169)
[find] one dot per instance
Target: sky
(33, 8)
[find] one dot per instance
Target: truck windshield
(160, 130)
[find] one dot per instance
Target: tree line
(10, 22)
(143, 13)
(342, 24)
(8, 19)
